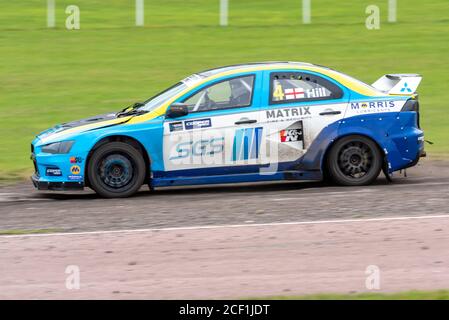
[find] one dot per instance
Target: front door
(221, 134)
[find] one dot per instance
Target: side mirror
(177, 110)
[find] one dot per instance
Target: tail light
(412, 105)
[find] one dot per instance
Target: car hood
(88, 123)
(66, 130)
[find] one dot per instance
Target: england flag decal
(296, 93)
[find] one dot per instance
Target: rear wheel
(354, 161)
(116, 170)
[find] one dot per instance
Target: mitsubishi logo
(405, 88)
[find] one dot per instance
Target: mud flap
(387, 174)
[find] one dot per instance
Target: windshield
(154, 102)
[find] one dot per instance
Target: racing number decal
(278, 93)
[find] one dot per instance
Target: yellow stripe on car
(345, 80)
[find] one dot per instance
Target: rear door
(221, 133)
(295, 109)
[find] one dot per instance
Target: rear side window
(286, 87)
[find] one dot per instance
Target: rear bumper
(56, 186)
(406, 144)
(422, 154)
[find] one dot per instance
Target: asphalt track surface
(423, 192)
(229, 241)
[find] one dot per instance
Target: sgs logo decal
(204, 147)
(75, 170)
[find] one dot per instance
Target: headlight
(58, 147)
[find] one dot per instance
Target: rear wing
(401, 84)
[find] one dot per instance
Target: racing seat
(240, 93)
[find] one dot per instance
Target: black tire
(354, 161)
(116, 170)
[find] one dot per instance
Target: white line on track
(272, 224)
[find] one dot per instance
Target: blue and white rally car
(244, 123)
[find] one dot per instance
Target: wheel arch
(120, 138)
(324, 168)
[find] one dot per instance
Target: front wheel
(354, 161)
(116, 170)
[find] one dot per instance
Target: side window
(288, 87)
(231, 93)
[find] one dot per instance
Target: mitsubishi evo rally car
(244, 123)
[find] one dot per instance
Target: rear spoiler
(402, 84)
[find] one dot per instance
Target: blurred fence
(37, 14)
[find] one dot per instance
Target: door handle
(329, 113)
(246, 121)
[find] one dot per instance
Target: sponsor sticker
(199, 148)
(291, 135)
(197, 124)
(75, 170)
(372, 106)
(53, 172)
(247, 144)
(76, 159)
(75, 178)
(287, 113)
(175, 126)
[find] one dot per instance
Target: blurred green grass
(51, 76)
(407, 295)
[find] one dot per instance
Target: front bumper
(56, 186)
(58, 171)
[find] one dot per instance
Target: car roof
(252, 65)
(350, 82)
